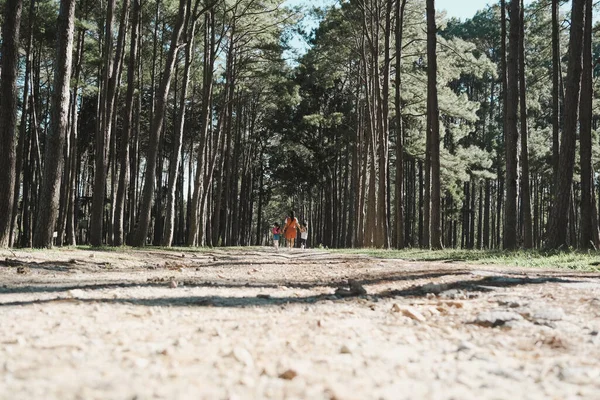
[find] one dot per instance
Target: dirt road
(253, 324)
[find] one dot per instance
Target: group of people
(290, 232)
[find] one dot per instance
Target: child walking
(303, 234)
(276, 234)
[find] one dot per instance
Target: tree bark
(124, 173)
(399, 200)
(71, 219)
(97, 216)
(49, 196)
(556, 74)
(433, 115)
(21, 151)
(178, 139)
(205, 121)
(558, 222)
(590, 236)
(512, 132)
(8, 114)
(527, 228)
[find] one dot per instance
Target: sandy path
(258, 324)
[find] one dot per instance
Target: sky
(462, 9)
(455, 8)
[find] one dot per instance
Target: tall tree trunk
(71, 220)
(124, 173)
(205, 121)
(558, 222)
(48, 211)
(527, 229)
(178, 139)
(8, 114)
(21, 151)
(433, 115)
(383, 116)
(590, 236)
(157, 123)
(512, 133)
(399, 203)
(486, 216)
(556, 79)
(503, 76)
(97, 217)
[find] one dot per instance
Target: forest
(193, 123)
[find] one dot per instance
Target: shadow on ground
(485, 284)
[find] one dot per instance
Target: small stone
(288, 375)
(263, 296)
(412, 313)
(22, 270)
(577, 376)
(243, 356)
(434, 288)
(455, 304)
(356, 289)
(464, 346)
(513, 303)
(173, 284)
(345, 350)
(549, 314)
(496, 318)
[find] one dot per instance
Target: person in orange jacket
(290, 230)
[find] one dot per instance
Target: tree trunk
(157, 122)
(590, 236)
(8, 114)
(399, 203)
(21, 151)
(71, 223)
(200, 190)
(512, 132)
(124, 173)
(97, 217)
(556, 79)
(527, 229)
(178, 140)
(433, 115)
(48, 211)
(558, 223)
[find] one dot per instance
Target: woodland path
(255, 323)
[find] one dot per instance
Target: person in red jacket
(276, 234)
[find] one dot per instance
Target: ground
(255, 323)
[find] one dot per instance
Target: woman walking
(290, 231)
